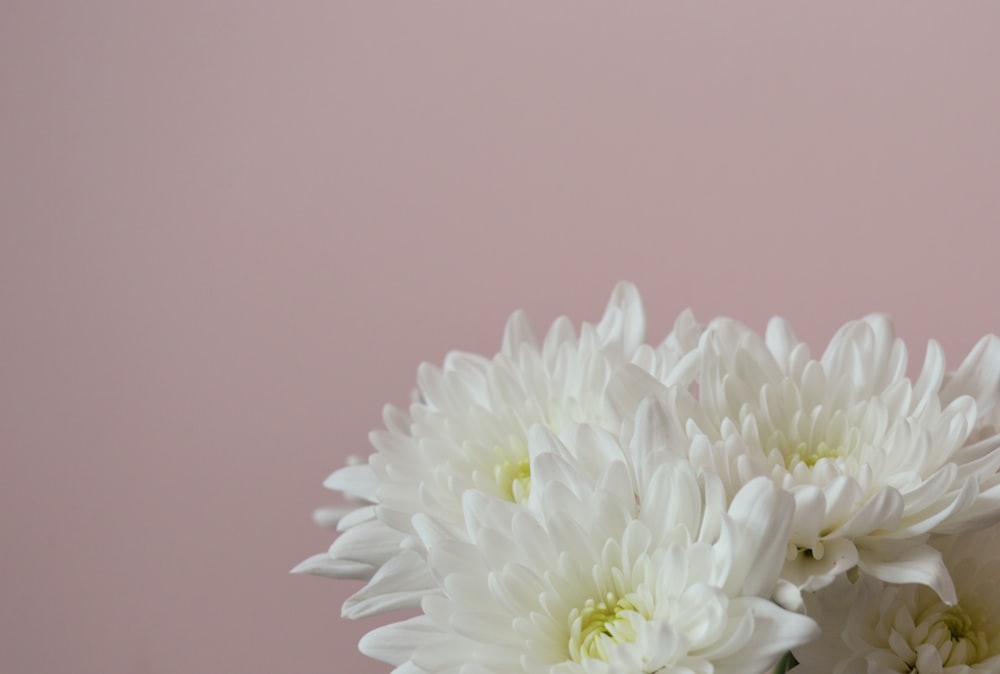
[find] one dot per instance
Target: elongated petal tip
(518, 333)
(329, 517)
(780, 339)
(977, 376)
(624, 318)
(306, 566)
(624, 296)
(325, 566)
(908, 561)
(356, 481)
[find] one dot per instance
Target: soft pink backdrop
(230, 231)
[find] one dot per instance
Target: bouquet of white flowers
(720, 502)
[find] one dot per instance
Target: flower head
(908, 628)
(875, 461)
(622, 570)
(468, 430)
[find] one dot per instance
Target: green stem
(786, 662)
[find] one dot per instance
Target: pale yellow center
(514, 479)
(598, 626)
(953, 632)
(802, 452)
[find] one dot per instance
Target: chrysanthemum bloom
(468, 430)
(907, 628)
(875, 461)
(631, 565)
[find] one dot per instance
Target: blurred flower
(907, 628)
(632, 563)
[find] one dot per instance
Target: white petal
(628, 387)
(776, 631)
(355, 517)
(762, 516)
(401, 583)
(882, 511)
(326, 566)
(395, 643)
(907, 562)
(931, 376)
(780, 340)
(561, 332)
(517, 334)
(357, 481)
(810, 573)
(624, 320)
(328, 517)
(977, 376)
(371, 542)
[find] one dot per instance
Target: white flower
(632, 564)
(907, 628)
(875, 461)
(468, 430)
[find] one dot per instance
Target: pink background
(229, 232)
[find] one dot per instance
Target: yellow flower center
(598, 626)
(514, 479)
(953, 633)
(809, 455)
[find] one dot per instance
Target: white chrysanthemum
(630, 565)
(468, 430)
(907, 628)
(874, 460)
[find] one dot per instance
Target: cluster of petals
(468, 430)
(876, 461)
(626, 560)
(589, 502)
(872, 626)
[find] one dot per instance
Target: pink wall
(230, 231)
